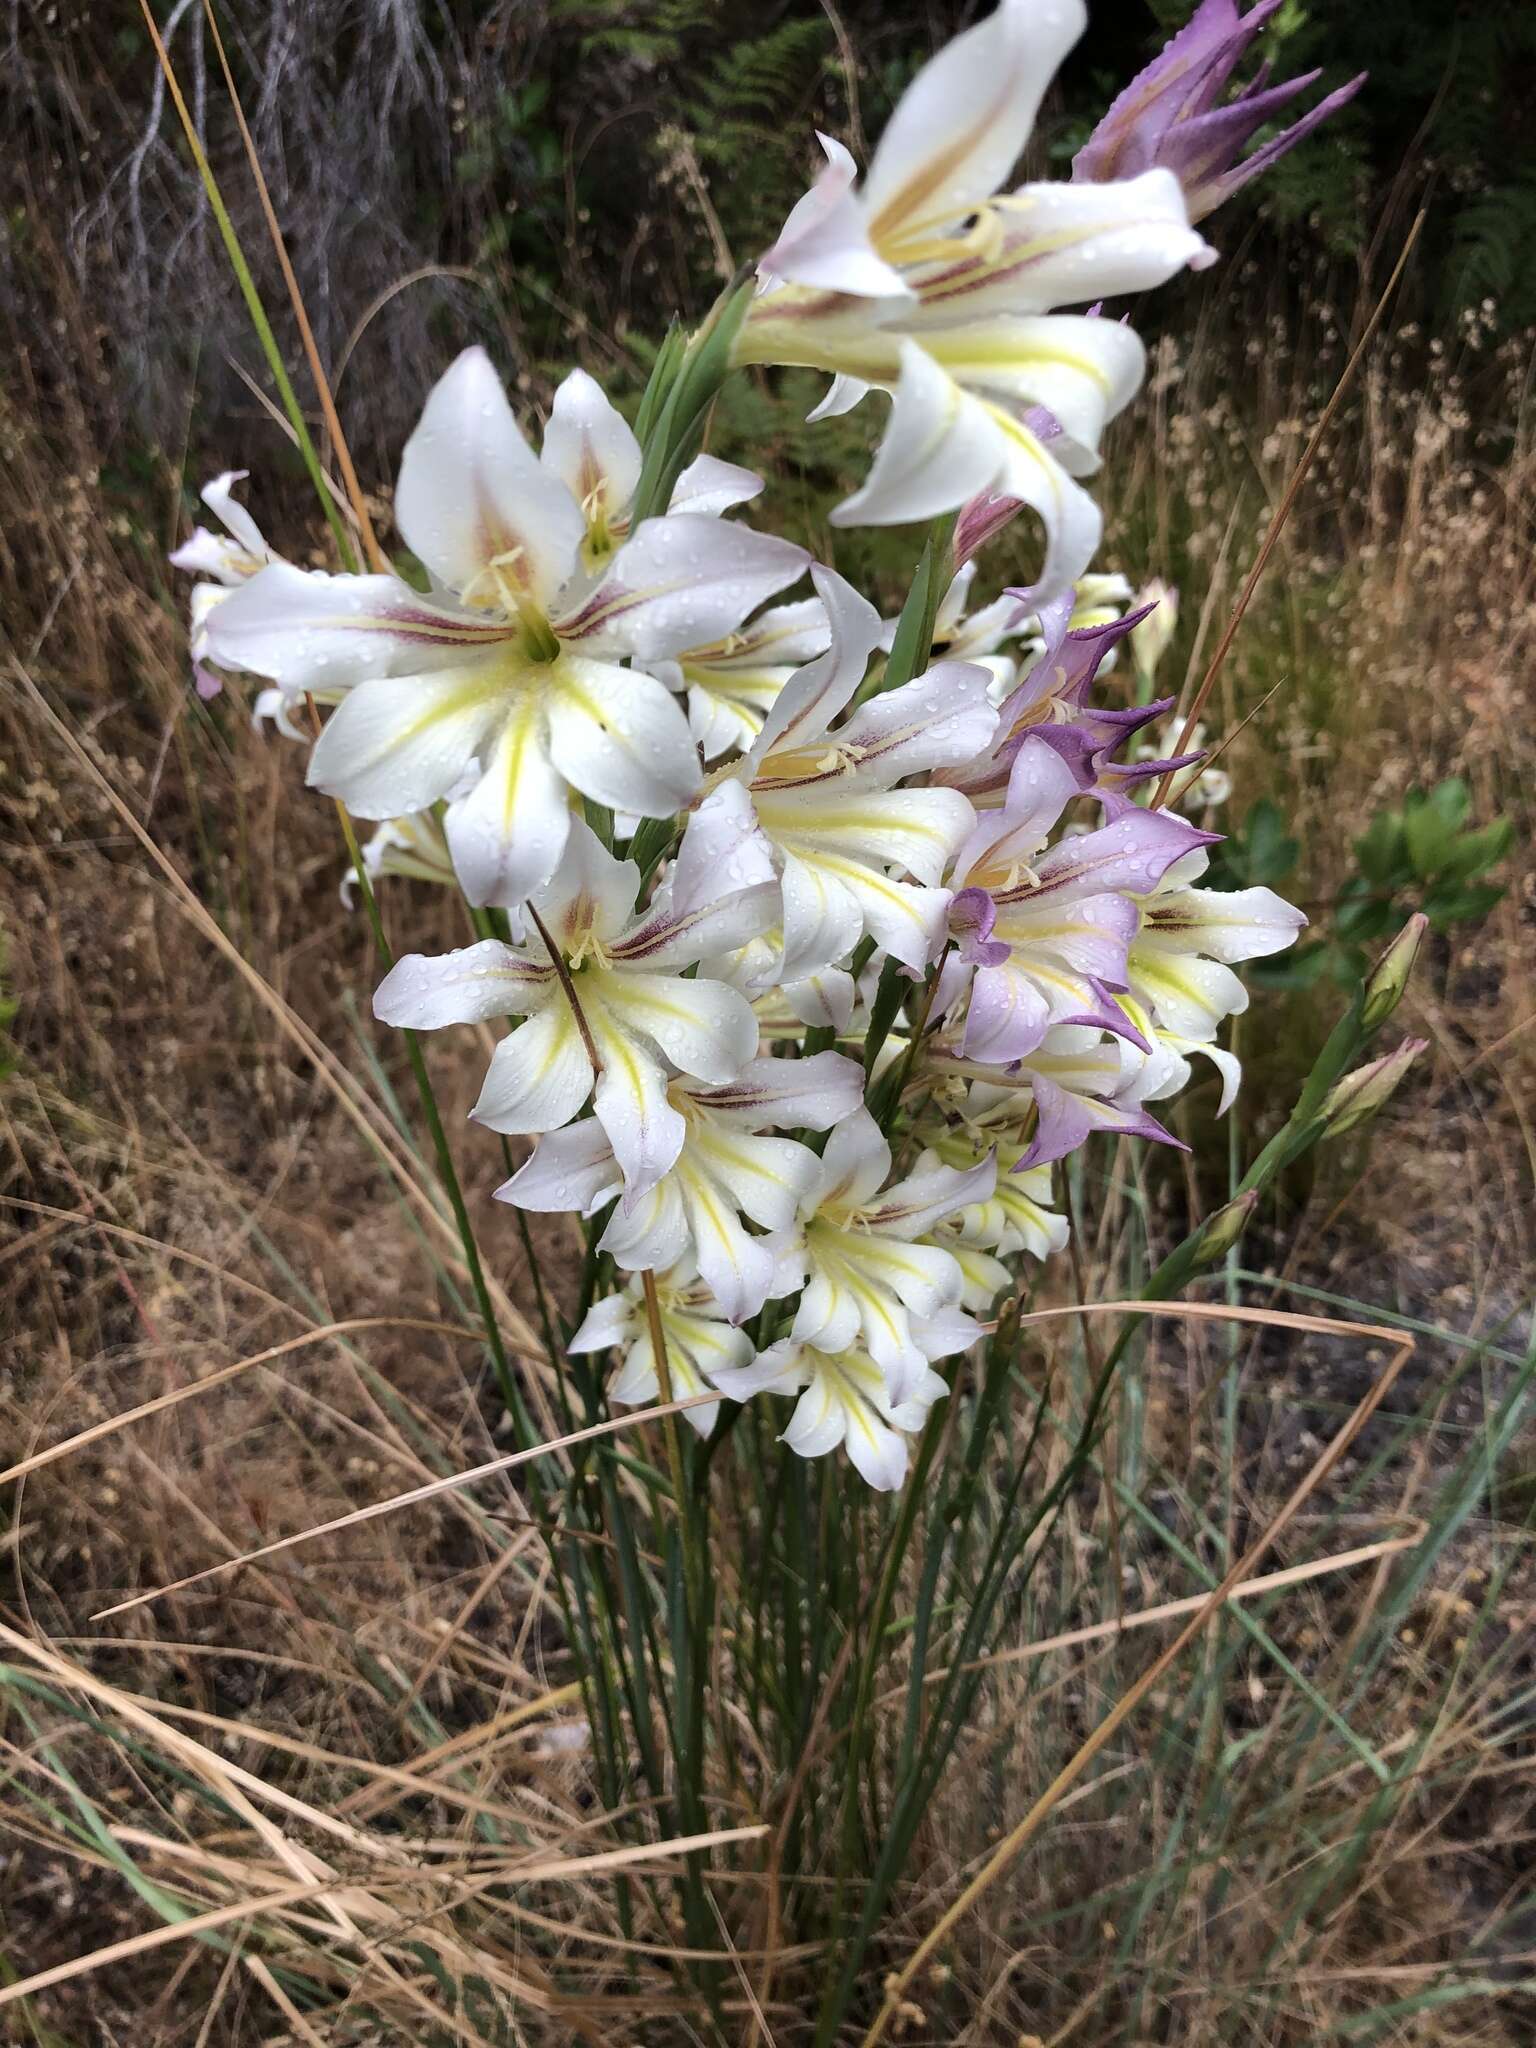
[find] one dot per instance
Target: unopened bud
(980, 518)
(1359, 1095)
(1389, 977)
(1222, 1230)
(1150, 638)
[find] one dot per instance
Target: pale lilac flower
(1043, 931)
(511, 665)
(639, 1015)
(1171, 115)
(1049, 702)
(929, 285)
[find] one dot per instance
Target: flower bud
(1359, 1095)
(1151, 636)
(980, 518)
(1389, 977)
(1221, 1231)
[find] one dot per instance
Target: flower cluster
(814, 966)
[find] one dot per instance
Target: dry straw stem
(1283, 510)
(322, 1335)
(1014, 1843)
(351, 1097)
(306, 332)
(416, 1494)
(1170, 1610)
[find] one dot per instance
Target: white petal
(940, 448)
(220, 499)
(826, 998)
(784, 634)
(842, 395)
(398, 743)
(569, 1170)
(507, 835)
(778, 1370)
(472, 492)
(712, 486)
(422, 992)
(1235, 924)
(823, 920)
(790, 1094)
(825, 241)
(649, 1229)
(1083, 371)
(682, 581)
(737, 1267)
(593, 893)
(814, 695)
(205, 553)
(905, 920)
(941, 719)
(828, 1315)
(672, 937)
(645, 1131)
(589, 445)
(914, 1206)
(962, 123)
(538, 1078)
(723, 848)
(311, 631)
(1186, 995)
(843, 826)
(855, 1160)
(620, 737)
(766, 1178)
(1068, 245)
(607, 1323)
(701, 1026)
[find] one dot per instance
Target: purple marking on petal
(1040, 421)
(972, 914)
(205, 682)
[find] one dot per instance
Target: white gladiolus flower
(511, 664)
(635, 1016)
(928, 285)
(868, 1280)
(1179, 962)
(727, 1168)
(1017, 1215)
(225, 560)
(821, 805)
(844, 1401)
(699, 1345)
(730, 687)
(412, 847)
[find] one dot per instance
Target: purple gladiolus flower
(1169, 114)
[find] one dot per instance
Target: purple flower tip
(1171, 114)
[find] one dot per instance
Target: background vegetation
(1319, 1827)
